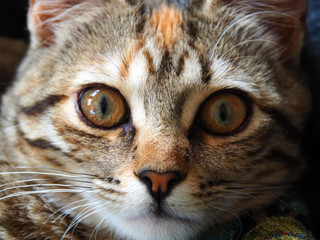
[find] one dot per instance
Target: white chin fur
(152, 228)
(135, 220)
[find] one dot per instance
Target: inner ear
(44, 15)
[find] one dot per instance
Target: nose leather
(159, 181)
(160, 184)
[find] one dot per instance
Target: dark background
(13, 18)
(311, 63)
(13, 25)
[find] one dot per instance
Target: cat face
(164, 120)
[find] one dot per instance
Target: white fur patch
(133, 88)
(138, 71)
(105, 72)
(131, 216)
(192, 69)
(52, 135)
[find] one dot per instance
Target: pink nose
(160, 184)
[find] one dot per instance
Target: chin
(153, 227)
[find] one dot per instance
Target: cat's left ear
(285, 18)
(45, 15)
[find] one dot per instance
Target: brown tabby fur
(165, 60)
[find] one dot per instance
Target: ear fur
(286, 19)
(43, 15)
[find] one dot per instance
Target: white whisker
(75, 223)
(42, 173)
(239, 192)
(96, 229)
(84, 211)
(258, 188)
(9, 128)
(256, 40)
(41, 191)
(236, 217)
(231, 206)
(79, 221)
(43, 185)
(22, 181)
(54, 169)
(63, 215)
(43, 179)
(58, 210)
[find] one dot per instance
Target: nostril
(147, 181)
(160, 184)
(173, 182)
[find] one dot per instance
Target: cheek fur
(159, 174)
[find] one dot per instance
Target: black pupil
(223, 113)
(103, 105)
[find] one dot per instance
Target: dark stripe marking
(192, 31)
(38, 143)
(206, 71)
(111, 190)
(291, 131)
(149, 58)
(139, 27)
(181, 63)
(41, 106)
(68, 155)
(54, 162)
(256, 151)
(197, 4)
(290, 163)
(292, 160)
(256, 142)
(165, 66)
(41, 143)
(80, 133)
(131, 2)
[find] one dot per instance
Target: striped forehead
(147, 60)
(167, 21)
(145, 63)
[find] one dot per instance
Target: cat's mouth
(159, 213)
(161, 216)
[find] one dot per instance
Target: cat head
(174, 112)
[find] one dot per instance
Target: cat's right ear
(45, 15)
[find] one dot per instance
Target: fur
(63, 178)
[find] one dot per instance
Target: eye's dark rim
(247, 101)
(85, 88)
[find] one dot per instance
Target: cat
(151, 119)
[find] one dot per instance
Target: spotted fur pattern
(61, 178)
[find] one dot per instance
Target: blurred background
(14, 42)
(310, 183)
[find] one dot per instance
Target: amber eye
(224, 113)
(103, 107)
